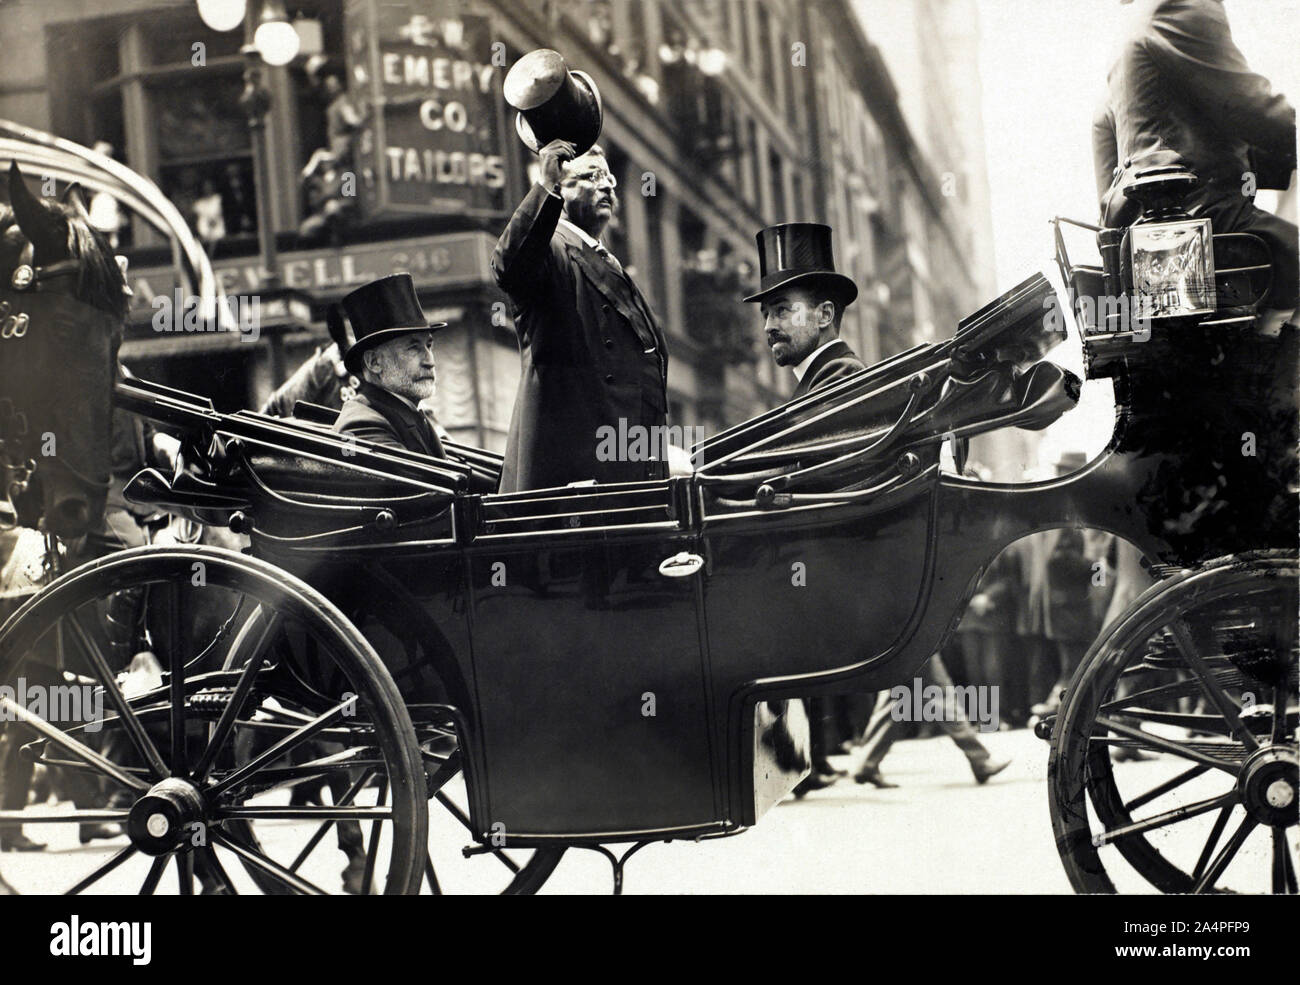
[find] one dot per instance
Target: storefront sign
(433, 261)
(433, 134)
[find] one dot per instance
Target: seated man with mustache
(393, 356)
(802, 298)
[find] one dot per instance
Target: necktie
(613, 260)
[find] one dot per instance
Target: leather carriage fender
(185, 493)
(1044, 393)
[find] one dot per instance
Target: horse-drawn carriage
(610, 664)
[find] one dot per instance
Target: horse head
(63, 300)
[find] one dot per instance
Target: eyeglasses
(596, 176)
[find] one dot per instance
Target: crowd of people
(1035, 612)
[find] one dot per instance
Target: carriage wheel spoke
(155, 874)
(1164, 745)
(303, 813)
(1164, 819)
(289, 742)
(431, 877)
(130, 721)
(173, 635)
(1279, 715)
(446, 770)
(1164, 788)
(66, 742)
(1292, 888)
(321, 831)
(1226, 855)
(185, 873)
(257, 646)
(1212, 842)
(460, 816)
(372, 849)
(102, 871)
(214, 865)
(69, 817)
(271, 868)
(1217, 695)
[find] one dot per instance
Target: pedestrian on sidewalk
(885, 725)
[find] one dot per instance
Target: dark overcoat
(832, 364)
(376, 415)
(1180, 93)
(591, 354)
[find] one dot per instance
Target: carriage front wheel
(1174, 757)
(211, 691)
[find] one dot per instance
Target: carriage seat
(298, 480)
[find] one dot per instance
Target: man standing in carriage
(593, 353)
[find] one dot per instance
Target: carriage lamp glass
(1173, 268)
(222, 15)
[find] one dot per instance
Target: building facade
(721, 116)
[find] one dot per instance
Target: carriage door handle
(681, 565)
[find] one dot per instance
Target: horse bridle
(16, 465)
(36, 279)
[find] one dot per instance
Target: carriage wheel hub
(1269, 784)
(163, 819)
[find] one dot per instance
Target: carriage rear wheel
(1174, 758)
(233, 686)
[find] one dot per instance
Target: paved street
(938, 833)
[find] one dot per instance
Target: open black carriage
(598, 665)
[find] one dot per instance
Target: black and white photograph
(650, 447)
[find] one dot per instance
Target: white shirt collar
(586, 236)
(802, 367)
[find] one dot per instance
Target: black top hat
(798, 253)
(553, 102)
(381, 310)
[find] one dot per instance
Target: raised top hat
(381, 310)
(799, 253)
(554, 103)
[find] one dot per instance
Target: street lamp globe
(712, 61)
(222, 15)
(276, 41)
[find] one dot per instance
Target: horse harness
(27, 277)
(16, 464)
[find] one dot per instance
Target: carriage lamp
(1172, 265)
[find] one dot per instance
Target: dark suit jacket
(832, 364)
(584, 329)
(376, 415)
(1181, 93)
